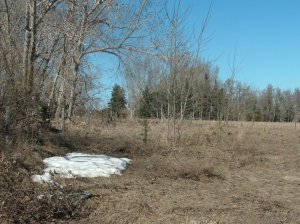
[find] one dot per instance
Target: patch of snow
(81, 165)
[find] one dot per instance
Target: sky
(262, 35)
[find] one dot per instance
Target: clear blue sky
(265, 34)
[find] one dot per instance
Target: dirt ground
(216, 173)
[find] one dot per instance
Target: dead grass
(234, 172)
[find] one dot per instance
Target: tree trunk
(32, 44)
(71, 101)
(72, 93)
(7, 128)
(26, 44)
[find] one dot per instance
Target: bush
(23, 201)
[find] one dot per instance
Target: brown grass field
(218, 173)
(240, 172)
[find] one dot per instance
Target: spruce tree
(146, 104)
(117, 101)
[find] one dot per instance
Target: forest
(201, 95)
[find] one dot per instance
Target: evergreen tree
(117, 101)
(146, 109)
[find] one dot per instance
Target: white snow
(81, 165)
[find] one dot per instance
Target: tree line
(47, 74)
(202, 95)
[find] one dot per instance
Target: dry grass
(233, 172)
(218, 173)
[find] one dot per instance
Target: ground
(217, 172)
(234, 172)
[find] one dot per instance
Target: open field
(217, 173)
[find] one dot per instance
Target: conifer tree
(117, 101)
(146, 106)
